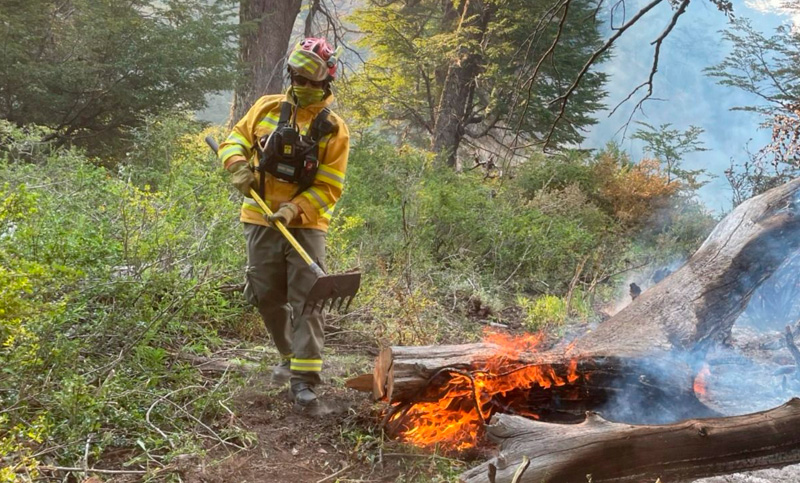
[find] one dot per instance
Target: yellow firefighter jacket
(318, 201)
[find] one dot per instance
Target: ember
(701, 381)
(468, 399)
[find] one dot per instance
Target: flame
(701, 382)
(467, 400)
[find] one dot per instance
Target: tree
(91, 68)
(458, 85)
(266, 27)
(768, 68)
(477, 72)
(669, 146)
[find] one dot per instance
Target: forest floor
(344, 444)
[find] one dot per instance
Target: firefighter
(301, 188)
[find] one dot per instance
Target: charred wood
(607, 451)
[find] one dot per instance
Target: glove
(285, 214)
(242, 177)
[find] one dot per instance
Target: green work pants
(277, 281)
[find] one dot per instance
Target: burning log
(646, 356)
(445, 394)
(621, 452)
(691, 307)
(419, 373)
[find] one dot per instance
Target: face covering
(307, 95)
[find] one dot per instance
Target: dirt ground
(342, 443)
(292, 447)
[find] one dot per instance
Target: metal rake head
(332, 290)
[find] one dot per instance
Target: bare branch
(656, 55)
(530, 80)
(309, 25)
(592, 59)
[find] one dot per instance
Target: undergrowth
(113, 271)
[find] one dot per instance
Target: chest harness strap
(287, 154)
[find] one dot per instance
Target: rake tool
(327, 289)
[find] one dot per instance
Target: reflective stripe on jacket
(319, 200)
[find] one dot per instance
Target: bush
(102, 278)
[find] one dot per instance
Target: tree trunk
(460, 81)
(683, 313)
(266, 27)
(409, 375)
(700, 302)
(545, 452)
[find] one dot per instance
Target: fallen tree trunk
(567, 453)
(686, 311)
(420, 374)
(700, 302)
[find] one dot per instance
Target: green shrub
(545, 311)
(102, 279)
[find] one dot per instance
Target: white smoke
(784, 8)
(644, 278)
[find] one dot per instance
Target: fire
(700, 381)
(469, 399)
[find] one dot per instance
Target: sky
(688, 96)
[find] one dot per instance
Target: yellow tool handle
(284, 230)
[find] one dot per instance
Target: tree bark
(460, 81)
(621, 452)
(264, 40)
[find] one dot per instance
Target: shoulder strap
(286, 112)
(321, 126)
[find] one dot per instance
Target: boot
(281, 373)
(304, 395)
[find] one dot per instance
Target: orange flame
(455, 420)
(701, 380)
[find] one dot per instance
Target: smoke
(776, 302)
(643, 278)
(757, 375)
(654, 391)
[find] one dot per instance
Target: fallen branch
(338, 473)
(216, 366)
